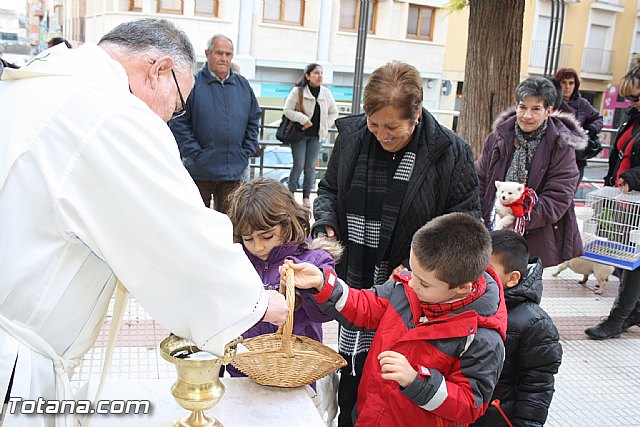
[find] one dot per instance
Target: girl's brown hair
(262, 204)
(631, 81)
(397, 85)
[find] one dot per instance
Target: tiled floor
(598, 384)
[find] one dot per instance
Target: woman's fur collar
(332, 247)
(570, 132)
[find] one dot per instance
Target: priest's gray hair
(539, 87)
(152, 37)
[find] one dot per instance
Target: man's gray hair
(152, 37)
(539, 87)
(216, 37)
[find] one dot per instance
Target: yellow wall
(456, 47)
(623, 39)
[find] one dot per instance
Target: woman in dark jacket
(390, 172)
(537, 149)
(624, 172)
(588, 117)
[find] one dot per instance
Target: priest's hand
(277, 310)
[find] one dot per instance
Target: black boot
(623, 308)
(605, 330)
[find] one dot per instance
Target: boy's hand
(396, 367)
(306, 276)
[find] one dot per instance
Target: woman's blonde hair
(395, 84)
(631, 81)
(262, 204)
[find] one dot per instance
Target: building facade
(275, 39)
(600, 38)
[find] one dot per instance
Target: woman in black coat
(391, 171)
(624, 172)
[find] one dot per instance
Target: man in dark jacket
(219, 130)
(532, 350)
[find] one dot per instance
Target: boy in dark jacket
(533, 352)
(438, 348)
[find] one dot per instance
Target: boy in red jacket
(438, 349)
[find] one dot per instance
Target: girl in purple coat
(272, 227)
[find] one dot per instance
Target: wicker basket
(284, 360)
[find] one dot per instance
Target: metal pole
(554, 23)
(560, 32)
(363, 28)
(547, 56)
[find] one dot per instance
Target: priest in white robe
(92, 188)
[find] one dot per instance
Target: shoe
(629, 322)
(603, 331)
(306, 203)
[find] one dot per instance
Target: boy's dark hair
(512, 251)
(456, 247)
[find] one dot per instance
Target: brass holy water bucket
(198, 386)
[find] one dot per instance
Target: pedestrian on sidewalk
(531, 146)
(218, 132)
(589, 118)
(312, 105)
(624, 172)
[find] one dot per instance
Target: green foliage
(456, 5)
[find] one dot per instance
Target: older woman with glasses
(530, 146)
(624, 172)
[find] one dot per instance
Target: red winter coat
(463, 349)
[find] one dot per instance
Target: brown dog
(585, 267)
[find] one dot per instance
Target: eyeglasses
(182, 110)
(632, 98)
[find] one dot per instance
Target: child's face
(260, 242)
(431, 290)
(508, 278)
(499, 269)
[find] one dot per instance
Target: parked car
(275, 156)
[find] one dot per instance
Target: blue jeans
(305, 155)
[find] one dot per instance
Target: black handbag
(593, 148)
(289, 131)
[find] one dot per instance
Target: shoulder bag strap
(300, 99)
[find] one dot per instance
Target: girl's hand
(624, 185)
(305, 275)
(396, 367)
(307, 125)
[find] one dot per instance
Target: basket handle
(287, 328)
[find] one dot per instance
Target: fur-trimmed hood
(570, 133)
(332, 247)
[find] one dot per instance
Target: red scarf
(517, 207)
(433, 310)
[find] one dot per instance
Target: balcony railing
(538, 54)
(597, 61)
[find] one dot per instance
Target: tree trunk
(492, 69)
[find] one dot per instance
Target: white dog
(507, 194)
(586, 267)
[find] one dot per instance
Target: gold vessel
(198, 386)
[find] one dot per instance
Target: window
(206, 7)
(170, 6)
(284, 11)
(420, 24)
(135, 5)
(350, 15)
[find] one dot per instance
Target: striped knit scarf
(372, 206)
(526, 144)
